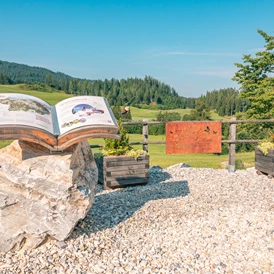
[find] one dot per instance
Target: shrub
(267, 143)
(120, 146)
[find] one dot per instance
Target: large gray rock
(43, 195)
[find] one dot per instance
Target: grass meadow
(51, 98)
(157, 153)
(150, 114)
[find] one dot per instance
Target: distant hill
(19, 73)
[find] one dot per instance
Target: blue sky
(189, 45)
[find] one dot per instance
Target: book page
(83, 111)
(25, 110)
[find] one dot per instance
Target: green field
(51, 98)
(157, 152)
(140, 114)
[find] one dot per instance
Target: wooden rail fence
(231, 142)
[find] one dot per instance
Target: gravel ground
(186, 220)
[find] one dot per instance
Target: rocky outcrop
(43, 195)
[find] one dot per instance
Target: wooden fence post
(145, 136)
(232, 137)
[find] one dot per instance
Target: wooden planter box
(264, 163)
(121, 171)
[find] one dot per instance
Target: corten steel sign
(193, 137)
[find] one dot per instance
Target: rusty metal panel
(193, 137)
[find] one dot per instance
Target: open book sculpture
(24, 117)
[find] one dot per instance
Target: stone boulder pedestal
(43, 195)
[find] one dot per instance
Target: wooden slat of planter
(268, 165)
(120, 183)
(125, 175)
(263, 166)
(265, 159)
(264, 163)
(129, 173)
(125, 158)
(130, 167)
(124, 162)
(115, 163)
